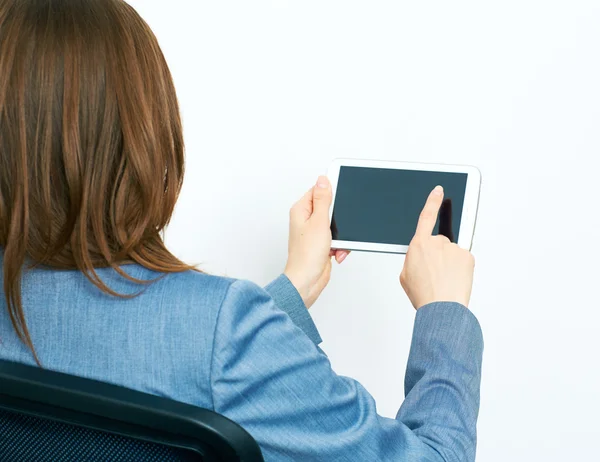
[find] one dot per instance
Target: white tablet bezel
(469, 213)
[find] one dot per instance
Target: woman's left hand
(309, 250)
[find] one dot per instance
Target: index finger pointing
(430, 212)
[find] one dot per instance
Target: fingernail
(343, 257)
(438, 191)
(322, 182)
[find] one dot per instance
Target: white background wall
(271, 91)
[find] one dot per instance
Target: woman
(91, 156)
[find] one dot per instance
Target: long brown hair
(91, 143)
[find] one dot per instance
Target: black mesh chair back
(48, 416)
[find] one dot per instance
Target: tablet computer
(376, 204)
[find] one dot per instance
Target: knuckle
(321, 193)
(403, 278)
(426, 215)
(416, 242)
(442, 239)
(467, 256)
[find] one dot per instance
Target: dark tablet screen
(380, 205)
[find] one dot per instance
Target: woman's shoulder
(192, 286)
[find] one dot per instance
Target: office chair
(48, 416)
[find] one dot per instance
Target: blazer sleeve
(269, 377)
(287, 299)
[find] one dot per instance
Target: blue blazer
(252, 354)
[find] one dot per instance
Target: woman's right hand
(435, 269)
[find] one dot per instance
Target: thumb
(322, 198)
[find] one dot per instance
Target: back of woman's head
(91, 148)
